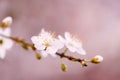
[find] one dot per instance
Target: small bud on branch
(6, 22)
(38, 56)
(63, 67)
(97, 59)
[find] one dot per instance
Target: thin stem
(71, 58)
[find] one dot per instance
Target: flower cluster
(47, 43)
(5, 43)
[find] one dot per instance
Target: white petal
(58, 44)
(7, 31)
(81, 51)
(51, 50)
(35, 39)
(71, 48)
(77, 44)
(67, 36)
(7, 44)
(2, 53)
(44, 54)
(40, 47)
(61, 39)
(44, 33)
(1, 31)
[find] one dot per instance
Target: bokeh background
(97, 22)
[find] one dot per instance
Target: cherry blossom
(73, 44)
(46, 43)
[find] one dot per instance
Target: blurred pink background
(97, 22)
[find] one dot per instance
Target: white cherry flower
(5, 44)
(73, 44)
(47, 43)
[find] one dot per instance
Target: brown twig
(71, 58)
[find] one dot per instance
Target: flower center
(46, 43)
(70, 44)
